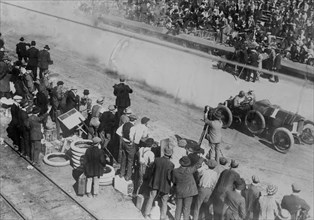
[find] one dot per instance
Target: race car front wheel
(282, 140)
(255, 122)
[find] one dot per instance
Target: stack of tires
(78, 149)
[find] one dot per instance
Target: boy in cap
(296, 206)
(208, 180)
(44, 60)
(160, 183)
(94, 165)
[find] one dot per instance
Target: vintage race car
(281, 127)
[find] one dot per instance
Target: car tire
(282, 139)
(80, 146)
(226, 115)
(75, 157)
(307, 135)
(107, 177)
(255, 122)
(57, 163)
(76, 153)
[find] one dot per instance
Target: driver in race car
(242, 103)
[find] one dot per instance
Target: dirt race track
(170, 117)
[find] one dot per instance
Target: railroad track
(31, 194)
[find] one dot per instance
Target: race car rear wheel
(226, 115)
(282, 140)
(255, 122)
(307, 135)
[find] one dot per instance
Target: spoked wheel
(307, 135)
(226, 115)
(255, 122)
(282, 140)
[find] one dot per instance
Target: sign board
(71, 118)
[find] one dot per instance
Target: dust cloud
(187, 77)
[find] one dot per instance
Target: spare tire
(81, 146)
(307, 135)
(107, 177)
(226, 115)
(255, 122)
(57, 163)
(282, 139)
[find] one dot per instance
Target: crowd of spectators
(286, 25)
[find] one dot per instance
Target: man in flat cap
(208, 179)
(21, 50)
(224, 184)
(296, 206)
(251, 195)
(122, 91)
(44, 60)
(32, 64)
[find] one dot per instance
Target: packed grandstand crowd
(194, 184)
(285, 25)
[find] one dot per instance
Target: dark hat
(182, 143)
(149, 142)
(36, 110)
(239, 184)
(211, 164)
(111, 107)
(144, 120)
(168, 151)
(22, 39)
(33, 43)
(234, 164)
(241, 93)
(295, 188)
(223, 161)
(60, 83)
(185, 161)
(132, 117)
(271, 189)
(18, 63)
(47, 47)
(86, 92)
(122, 79)
(96, 140)
(255, 179)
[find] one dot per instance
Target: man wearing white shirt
(139, 132)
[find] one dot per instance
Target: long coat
(107, 122)
(95, 162)
(44, 59)
(21, 48)
(293, 203)
(32, 54)
(161, 179)
(122, 91)
(225, 183)
(184, 181)
(35, 127)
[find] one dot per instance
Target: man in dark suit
(294, 204)
(42, 102)
(235, 202)
(122, 91)
(251, 195)
(21, 50)
(44, 60)
(107, 125)
(13, 130)
(224, 184)
(72, 100)
(160, 182)
(24, 125)
(35, 133)
(32, 64)
(185, 186)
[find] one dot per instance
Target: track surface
(32, 194)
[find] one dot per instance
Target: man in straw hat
(268, 205)
(94, 164)
(214, 136)
(296, 206)
(160, 182)
(224, 184)
(185, 186)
